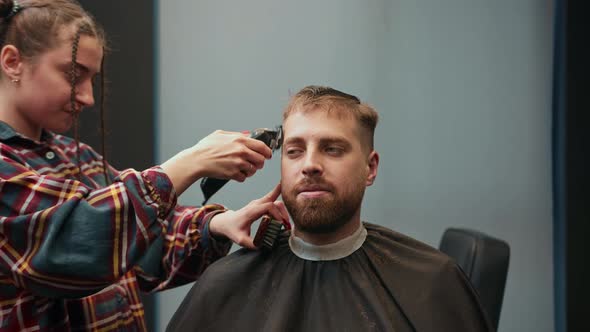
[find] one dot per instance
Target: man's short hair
(314, 97)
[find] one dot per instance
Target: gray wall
(464, 92)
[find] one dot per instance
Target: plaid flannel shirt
(74, 253)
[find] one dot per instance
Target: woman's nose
(85, 94)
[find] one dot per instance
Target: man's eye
(293, 152)
(333, 150)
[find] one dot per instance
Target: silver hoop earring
(15, 80)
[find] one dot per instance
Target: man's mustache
(313, 185)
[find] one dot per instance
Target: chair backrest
(484, 259)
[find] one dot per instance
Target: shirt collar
(8, 133)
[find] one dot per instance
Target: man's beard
(323, 214)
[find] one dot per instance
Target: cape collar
(328, 252)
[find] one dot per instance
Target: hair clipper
(272, 138)
(268, 232)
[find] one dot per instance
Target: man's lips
(312, 194)
(313, 190)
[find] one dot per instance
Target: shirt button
(50, 155)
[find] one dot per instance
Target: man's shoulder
(386, 235)
(383, 245)
(245, 260)
(386, 250)
(404, 252)
(432, 282)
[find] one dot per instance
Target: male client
(332, 272)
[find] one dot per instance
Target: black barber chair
(484, 259)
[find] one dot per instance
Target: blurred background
(474, 125)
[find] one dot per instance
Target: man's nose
(312, 165)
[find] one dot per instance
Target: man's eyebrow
(334, 139)
(323, 140)
(293, 140)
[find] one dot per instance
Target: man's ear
(373, 165)
(11, 61)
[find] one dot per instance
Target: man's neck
(327, 238)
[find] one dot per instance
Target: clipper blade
(267, 233)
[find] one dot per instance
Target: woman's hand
(230, 155)
(221, 155)
(235, 225)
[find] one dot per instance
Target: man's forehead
(317, 114)
(329, 109)
(318, 124)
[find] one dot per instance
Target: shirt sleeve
(61, 238)
(185, 252)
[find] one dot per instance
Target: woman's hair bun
(7, 8)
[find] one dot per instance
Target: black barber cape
(391, 283)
